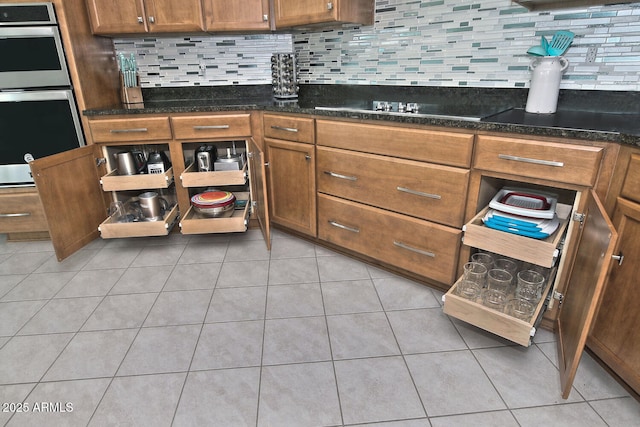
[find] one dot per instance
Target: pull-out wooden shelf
(110, 229)
(114, 182)
(192, 178)
(499, 323)
(194, 223)
(543, 252)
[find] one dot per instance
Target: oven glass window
(41, 128)
(29, 54)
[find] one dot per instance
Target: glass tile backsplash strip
(467, 43)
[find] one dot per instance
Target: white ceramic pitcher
(545, 84)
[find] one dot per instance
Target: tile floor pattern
(217, 331)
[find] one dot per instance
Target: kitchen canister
(545, 84)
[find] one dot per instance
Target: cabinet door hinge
(101, 161)
(580, 217)
(558, 296)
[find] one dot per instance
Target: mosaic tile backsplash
(423, 43)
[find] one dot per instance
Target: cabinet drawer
(415, 245)
(130, 129)
(543, 252)
(297, 129)
(114, 182)
(116, 230)
(570, 163)
(193, 223)
(632, 180)
(216, 126)
(192, 178)
(447, 148)
(433, 192)
(22, 212)
(499, 323)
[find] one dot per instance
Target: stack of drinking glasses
(502, 284)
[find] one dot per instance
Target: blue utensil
(560, 43)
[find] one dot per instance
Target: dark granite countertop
(587, 115)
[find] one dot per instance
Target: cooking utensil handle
(412, 249)
(528, 160)
(211, 127)
(15, 215)
(129, 130)
(419, 193)
(337, 175)
(286, 129)
(344, 227)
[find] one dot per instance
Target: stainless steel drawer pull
(528, 160)
(337, 175)
(15, 215)
(419, 193)
(129, 130)
(344, 227)
(211, 127)
(412, 249)
(284, 128)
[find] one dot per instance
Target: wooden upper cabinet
(116, 17)
(110, 17)
(225, 15)
(290, 13)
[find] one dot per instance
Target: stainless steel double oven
(38, 111)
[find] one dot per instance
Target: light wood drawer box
(289, 128)
(192, 178)
(543, 252)
(428, 249)
(110, 229)
(194, 223)
(214, 126)
(433, 192)
(569, 163)
(130, 129)
(447, 148)
(631, 187)
(22, 212)
(499, 323)
(114, 182)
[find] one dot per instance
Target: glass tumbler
(520, 309)
(475, 272)
(494, 299)
(499, 280)
(530, 285)
(483, 258)
(507, 264)
(468, 290)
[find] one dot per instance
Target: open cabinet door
(260, 207)
(582, 296)
(74, 203)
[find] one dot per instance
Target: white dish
(525, 202)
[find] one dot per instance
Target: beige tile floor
(217, 331)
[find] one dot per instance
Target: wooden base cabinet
(77, 186)
(615, 336)
(581, 249)
(289, 142)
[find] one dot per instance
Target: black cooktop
(572, 120)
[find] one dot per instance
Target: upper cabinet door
(225, 15)
(174, 16)
(110, 17)
(290, 13)
(582, 296)
(74, 203)
(116, 17)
